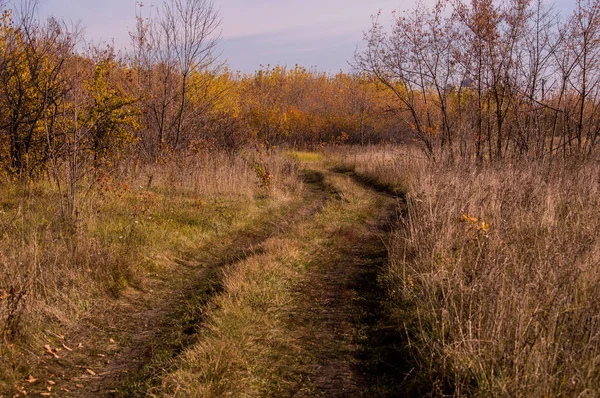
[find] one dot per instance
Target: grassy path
(123, 349)
(289, 304)
(304, 317)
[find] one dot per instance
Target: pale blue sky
(321, 33)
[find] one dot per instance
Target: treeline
(491, 79)
(65, 111)
(275, 106)
(486, 80)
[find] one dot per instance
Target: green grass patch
(307, 157)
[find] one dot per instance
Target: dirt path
(342, 307)
(337, 314)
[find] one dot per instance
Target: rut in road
(342, 311)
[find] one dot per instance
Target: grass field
(367, 271)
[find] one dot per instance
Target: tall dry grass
(129, 222)
(495, 273)
(220, 173)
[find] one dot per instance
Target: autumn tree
(583, 32)
(416, 62)
(31, 85)
(505, 78)
(304, 107)
(110, 112)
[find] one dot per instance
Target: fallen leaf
(49, 388)
(50, 351)
(51, 382)
(111, 340)
(31, 379)
(67, 348)
(101, 355)
(79, 345)
(91, 372)
(79, 385)
(45, 394)
(65, 390)
(20, 391)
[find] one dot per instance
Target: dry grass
(219, 173)
(128, 225)
(245, 348)
(495, 274)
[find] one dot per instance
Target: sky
(311, 33)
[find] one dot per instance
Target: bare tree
(506, 76)
(416, 60)
(173, 45)
(584, 43)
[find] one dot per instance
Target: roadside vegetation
(493, 273)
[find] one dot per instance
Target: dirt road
(335, 318)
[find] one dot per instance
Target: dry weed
(495, 273)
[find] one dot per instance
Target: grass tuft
(305, 157)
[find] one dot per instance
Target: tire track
(356, 350)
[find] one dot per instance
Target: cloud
(327, 49)
(243, 18)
